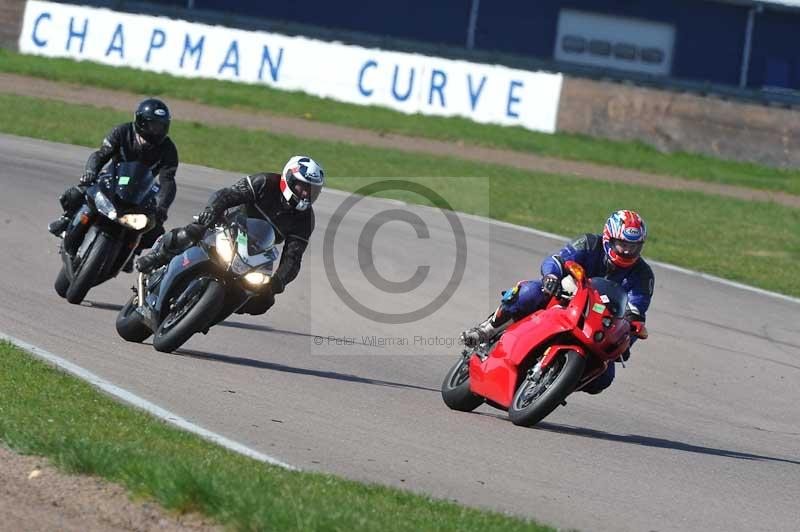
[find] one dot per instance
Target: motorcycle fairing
(187, 263)
(497, 376)
(76, 231)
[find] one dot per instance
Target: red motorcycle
(536, 362)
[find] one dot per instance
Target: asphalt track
(700, 432)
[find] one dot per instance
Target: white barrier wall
(410, 83)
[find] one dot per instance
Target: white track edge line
(143, 404)
(665, 265)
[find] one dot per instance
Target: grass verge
(634, 155)
(751, 242)
(47, 412)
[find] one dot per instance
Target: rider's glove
(549, 284)
(207, 217)
(161, 215)
(87, 178)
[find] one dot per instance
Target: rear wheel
(89, 269)
(455, 388)
(195, 313)
(539, 395)
(130, 324)
(62, 282)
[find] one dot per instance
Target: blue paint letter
(114, 46)
(274, 68)
(36, 40)
(512, 99)
(73, 33)
(231, 59)
(438, 81)
(361, 89)
(397, 96)
(196, 49)
(474, 95)
(157, 40)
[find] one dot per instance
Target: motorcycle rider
(283, 199)
(144, 140)
(615, 255)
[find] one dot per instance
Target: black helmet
(151, 120)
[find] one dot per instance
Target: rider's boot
(155, 259)
(171, 244)
(486, 330)
(70, 201)
(59, 226)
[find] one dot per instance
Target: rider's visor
(627, 249)
(155, 130)
(305, 191)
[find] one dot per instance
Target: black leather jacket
(121, 145)
(261, 193)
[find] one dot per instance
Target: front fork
(140, 289)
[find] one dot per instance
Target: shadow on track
(661, 443)
(101, 305)
(231, 324)
(267, 328)
(272, 366)
(646, 441)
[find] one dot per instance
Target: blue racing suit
(638, 280)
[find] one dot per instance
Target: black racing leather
(121, 145)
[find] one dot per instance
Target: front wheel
(62, 282)
(130, 324)
(538, 396)
(198, 309)
(455, 388)
(89, 269)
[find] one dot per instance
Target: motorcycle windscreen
(617, 297)
(255, 242)
(260, 236)
(134, 181)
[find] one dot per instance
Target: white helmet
(301, 181)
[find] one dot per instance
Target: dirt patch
(195, 112)
(36, 497)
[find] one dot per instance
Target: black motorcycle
(118, 209)
(202, 286)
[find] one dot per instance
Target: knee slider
(171, 241)
(180, 239)
(194, 231)
(71, 199)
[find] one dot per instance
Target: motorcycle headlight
(134, 221)
(256, 278)
(224, 247)
(104, 205)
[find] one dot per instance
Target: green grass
(46, 412)
(635, 155)
(751, 242)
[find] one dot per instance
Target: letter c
(369, 64)
(39, 42)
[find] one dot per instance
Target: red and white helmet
(623, 238)
(302, 180)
